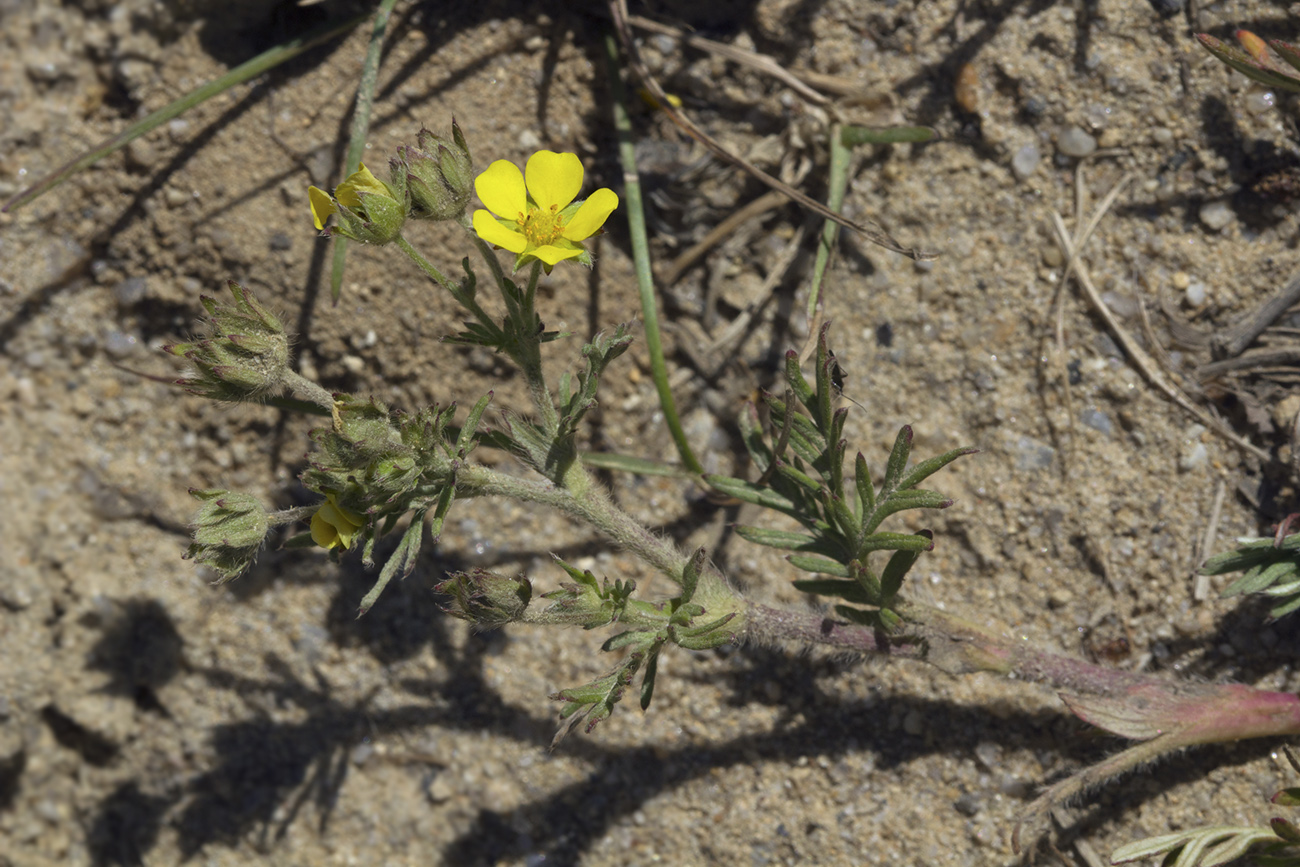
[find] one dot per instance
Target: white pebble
(1260, 101)
(1195, 293)
(1074, 142)
(1025, 161)
(1193, 457)
(1217, 214)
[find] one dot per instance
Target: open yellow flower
(334, 526)
(534, 215)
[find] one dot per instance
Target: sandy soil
(147, 717)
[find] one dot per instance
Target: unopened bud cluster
(245, 358)
(229, 529)
(431, 181)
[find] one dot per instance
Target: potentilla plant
(372, 466)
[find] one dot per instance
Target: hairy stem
(590, 504)
(308, 390)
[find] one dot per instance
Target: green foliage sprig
(1271, 567)
(803, 477)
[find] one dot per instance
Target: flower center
(542, 226)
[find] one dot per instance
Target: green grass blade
(641, 258)
(836, 186)
(245, 71)
(360, 129)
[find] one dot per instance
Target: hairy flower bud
(229, 529)
(486, 598)
(369, 210)
(361, 459)
(439, 175)
(245, 358)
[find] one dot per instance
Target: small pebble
(1284, 411)
(353, 363)
(1097, 420)
(1074, 142)
(1181, 280)
(1025, 161)
(1195, 294)
(1193, 457)
(968, 804)
(1032, 454)
(130, 291)
(280, 241)
(1167, 8)
(1260, 101)
(175, 198)
(1162, 135)
(528, 140)
(1052, 256)
(1217, 214)
(119, 344)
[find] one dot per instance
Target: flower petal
(322, 205)
(552, 253)
(592, 215)
(553, 179)
(360, 181)
(501, 189)
(323, 532)
(491, 230)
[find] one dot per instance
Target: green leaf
(648, 679)
(403, 559)
(634, 465)
(862, 480)
(891, 578)
(849, 591)
(1247, 65)
(1257, 579)
(922, 541)
(897, 461)
(795, 378)
(1287, 798)
(788, 541)
(925, 469)
(749, 492)
(1285, 608)
(691, 574)
(819, 565)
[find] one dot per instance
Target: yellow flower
(334, 526)
(535, 214)
(369, 210)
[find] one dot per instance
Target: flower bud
(229, 529)
(361, 459)
(439, 175)
(247, 356)
(370, 211)
(486, 598)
